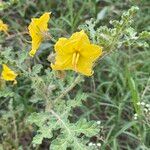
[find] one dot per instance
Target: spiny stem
(68, 89)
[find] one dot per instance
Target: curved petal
(37, 28)
(8, 74)
(80, 38)
(39, 24)
(64, 46)
(42, 22)
(84, 66)
(91, 51)
(63, 62)
(35, 45)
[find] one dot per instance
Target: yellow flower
(3, 27)
(37, 30)
(8, 74)
(76, 53)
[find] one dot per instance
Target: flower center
(9, 75)
(75, 59)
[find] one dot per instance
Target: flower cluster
(75, 53)
(94, 146)
(145, 111)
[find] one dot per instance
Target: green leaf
(134, 92)
(37, 68)
(43, 132)
(79, 145)
(78, 100)
(6, 93)
(41, 119)
(102, 13)
(144, 35)
(89, 128)
(60, 143)
(37, 139)
(46, 124)
(22, 56)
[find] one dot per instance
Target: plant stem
(15, 130)
(16, 34)
(68, 89)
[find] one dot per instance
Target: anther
(75, 59)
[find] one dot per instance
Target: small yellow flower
(37, 30)
(8, 74)
(76, 53)
(3, 27)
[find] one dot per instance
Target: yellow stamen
(75, 59)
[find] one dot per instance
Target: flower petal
(63, 62)
(80, 38)
(64, 46)
(37, 28)
(91, 51)
(39, 25)
(42, 22)
(3, 27)
(8, 74)
(84, 66)
(35, 45)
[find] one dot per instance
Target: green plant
(57, 117)
(56, 103)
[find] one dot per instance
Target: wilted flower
(76, 53)
(38, 29)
